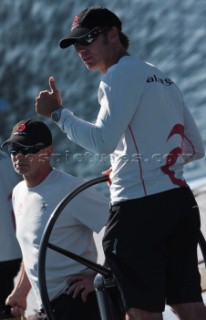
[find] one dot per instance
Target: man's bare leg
(138, 314)
(190, 311)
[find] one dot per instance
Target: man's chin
(90, 66)
(20, 169)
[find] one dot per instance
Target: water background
(169, 34)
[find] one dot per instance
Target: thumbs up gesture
(48, 101)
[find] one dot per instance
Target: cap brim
(4, 143)
(75, 34)
(19, 140)
(66, 42)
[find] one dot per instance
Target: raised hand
(48, 101)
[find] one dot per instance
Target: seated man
(69, 284)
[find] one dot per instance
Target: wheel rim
(44, 244)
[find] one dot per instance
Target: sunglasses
(15, 149)
(89, 38)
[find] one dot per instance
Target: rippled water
(169, 34)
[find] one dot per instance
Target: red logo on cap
(21, 127)
(75, 21)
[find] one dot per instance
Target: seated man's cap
(29, 132)
(87, 20)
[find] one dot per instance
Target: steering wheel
(94, 266)
(45, 244)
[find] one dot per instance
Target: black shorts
(65, 307)
(151, 246)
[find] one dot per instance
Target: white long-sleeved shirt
(144, 125)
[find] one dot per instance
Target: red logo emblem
(21, 127)
(75, 21)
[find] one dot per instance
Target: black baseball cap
(87, 20)
(29, 132)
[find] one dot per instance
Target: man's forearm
(23, 284)
(18, 296)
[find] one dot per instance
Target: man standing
(70, 284)
(144, 125)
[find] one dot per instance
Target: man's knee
(190, 311)
(134, 314)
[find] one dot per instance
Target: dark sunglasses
(89, 38)
(15, 149)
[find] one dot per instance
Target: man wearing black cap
(152, 235)
(69, 284)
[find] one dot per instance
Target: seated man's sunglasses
(15, 149)
(89, 38)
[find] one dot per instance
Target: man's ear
(50, 150)
(113, 34)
